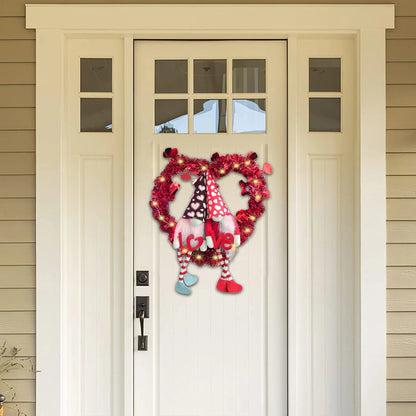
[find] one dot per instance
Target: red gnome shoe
(222, 285)
(233, 286)
(226, 283)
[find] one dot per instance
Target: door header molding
(54, 24)
(247, 19)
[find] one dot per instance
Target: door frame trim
(56, 23)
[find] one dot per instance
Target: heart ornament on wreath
(208, 233)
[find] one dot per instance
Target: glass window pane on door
(171, 116)
(324, 74)
(210, 116)
(96, 74)
(96, 115)
(210, 75)
(249, 75)
(171, 76)
(325, 114)
(249, 116)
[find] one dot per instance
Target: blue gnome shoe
(190, 279)
(182, 288)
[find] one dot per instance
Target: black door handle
(142, 312)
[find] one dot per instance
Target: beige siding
(17, 50)
(17, 191)
(401, 277)
(17, 208)
(14, 28)
(401, 409)
(16, 277)
(12, 73)
(17, 96)
(405, 29)
(401, 73)
(401, 140)
(401, 214)
(402, 345)
(12, 186)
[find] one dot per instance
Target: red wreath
(255, 186)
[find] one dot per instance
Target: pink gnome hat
(218, 212)
(216, 207)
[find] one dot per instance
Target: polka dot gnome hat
(216, 207)
(197, 207)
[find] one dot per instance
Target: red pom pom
(243, 186)
(215, 156)
(169, 152)
(267, 168)
(186, 176)
(241, 216)
(252, 155)
(173, 188)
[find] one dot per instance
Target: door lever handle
(142, 312)
(142, 337)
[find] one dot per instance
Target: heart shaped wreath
(255, 187)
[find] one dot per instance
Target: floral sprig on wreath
(255, 187)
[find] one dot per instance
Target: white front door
(211, 353)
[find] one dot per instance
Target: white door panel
(212, 353)
(322, 304)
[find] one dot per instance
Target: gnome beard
(189, 235)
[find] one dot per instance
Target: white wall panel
(325, 268)
(94, 241)
(325, 275)
(96, 280)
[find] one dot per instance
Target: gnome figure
(189, 234)
(222, 231)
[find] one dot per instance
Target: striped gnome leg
(226, 283)
(185, 279)
(222, 281)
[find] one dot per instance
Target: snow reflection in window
(210, 116)
(249, 116)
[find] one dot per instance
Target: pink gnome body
(223, 233)
(185, 229)
(227, 225)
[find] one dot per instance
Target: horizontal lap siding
(17, 192)
(401, 216)
(17, 204)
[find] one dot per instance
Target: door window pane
(325, 114)
(210, 75)
(249, 116)
(171, 76)
(249, 75)
(96, 75)
(171, 116)
(210, 116)
(96, 115)
(324, 74)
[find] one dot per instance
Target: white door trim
(55, 23)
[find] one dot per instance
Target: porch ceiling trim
(209, 18)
